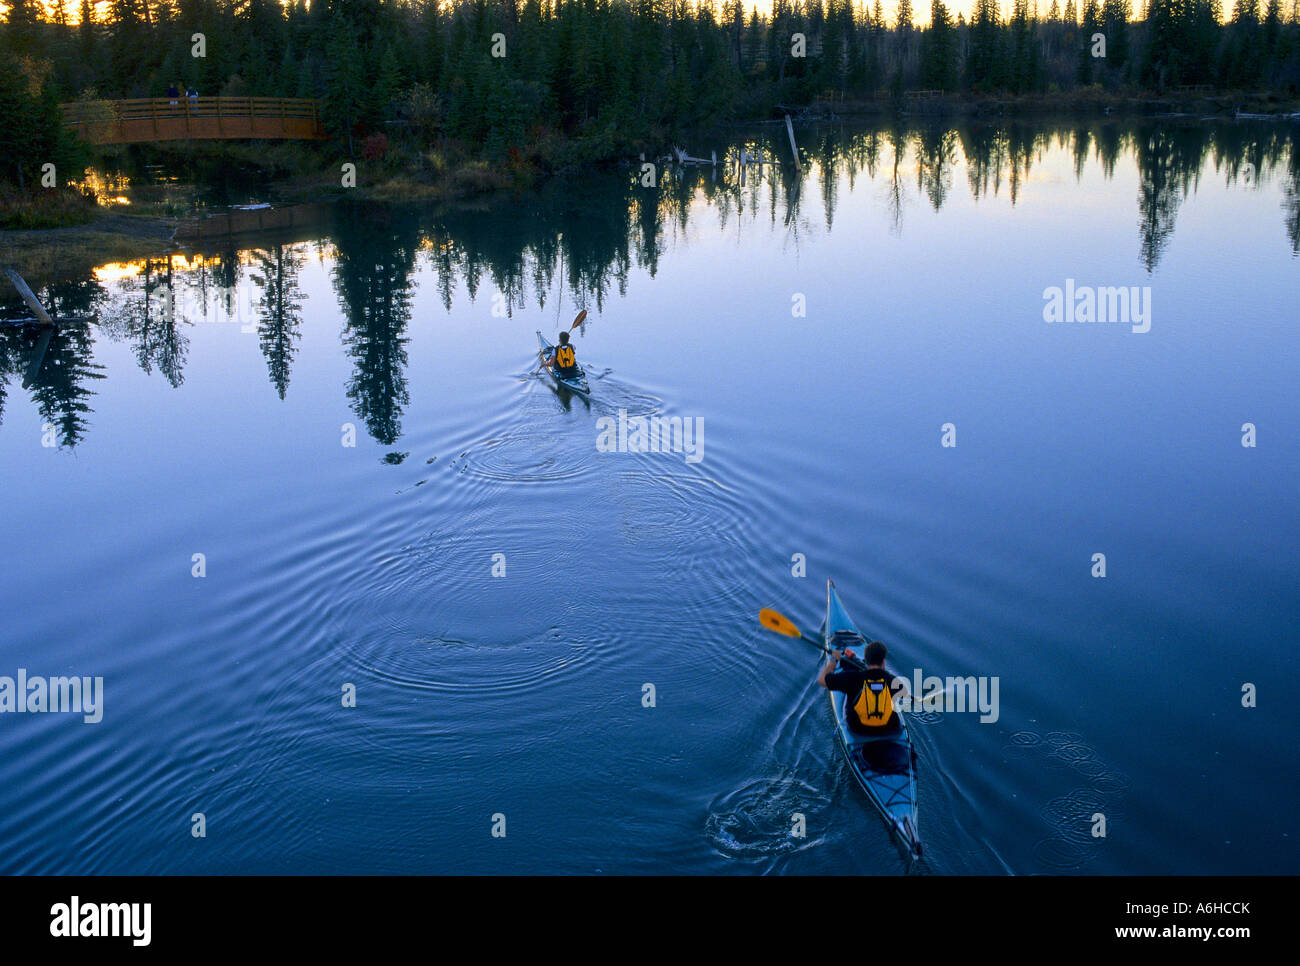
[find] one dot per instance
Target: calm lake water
(827, 332)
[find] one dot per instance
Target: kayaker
(564, 360)
(869, 709)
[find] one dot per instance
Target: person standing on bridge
(173, 93)
(192, 97)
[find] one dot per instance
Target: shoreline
(40, 254)
(1088, 104)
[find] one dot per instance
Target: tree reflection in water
(576, 243)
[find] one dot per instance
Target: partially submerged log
(29, 297)
(40, 316)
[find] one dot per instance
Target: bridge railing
(150, 107)
(135, 119)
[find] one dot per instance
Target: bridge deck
(186, 118)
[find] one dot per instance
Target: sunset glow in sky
(920, 8)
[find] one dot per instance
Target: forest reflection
(580, 242)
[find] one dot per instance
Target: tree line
(582, 255)
(594, 78)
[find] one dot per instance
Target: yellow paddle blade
(579, 320)
(777, 622)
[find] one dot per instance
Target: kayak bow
(577, 383)
(884, 766)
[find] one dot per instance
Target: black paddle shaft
(854, 661)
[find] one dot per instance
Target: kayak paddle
(582, 317)
(778, 622)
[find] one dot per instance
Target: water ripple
(1070, 844)
(755, 822)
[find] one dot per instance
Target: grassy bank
(54, 253)
(45, 208)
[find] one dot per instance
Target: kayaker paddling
(879, 756)
(563, 361)
(871, 691)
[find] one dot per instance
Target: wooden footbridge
(193, 118)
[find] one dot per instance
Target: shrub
(374, 147)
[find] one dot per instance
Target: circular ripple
(755, 821)
(613, 397)
(450, 666)
(677, 502)
(685, 521)
(1074, 752)
(453, 562)
(1071, 845)
(1060, 854)
(1111, 783)
(1058, 738)
(1077, 806)
(1090, 767)
(524, 457)
(925, 717)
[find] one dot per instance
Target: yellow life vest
(564, 357)
(875, 705)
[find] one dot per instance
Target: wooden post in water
(29, 297)
(789, 129)
(38, 310)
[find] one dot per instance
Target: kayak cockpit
(884, 757)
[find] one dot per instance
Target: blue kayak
(884, 766)
(575, 383)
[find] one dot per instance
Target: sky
(920, 8)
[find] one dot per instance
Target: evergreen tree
(345, 91)
(1115, 16)
(1160, 58)
(18, 133)
(904, 24)
(1198, 30)
(984, 65)
(1091, 25)
(22, 25)
(387, 84)
(1242, 50)
(939, 50)
(54, 142)
(607, 73)
(1026, 60)
(733, 16)
(903, 30)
